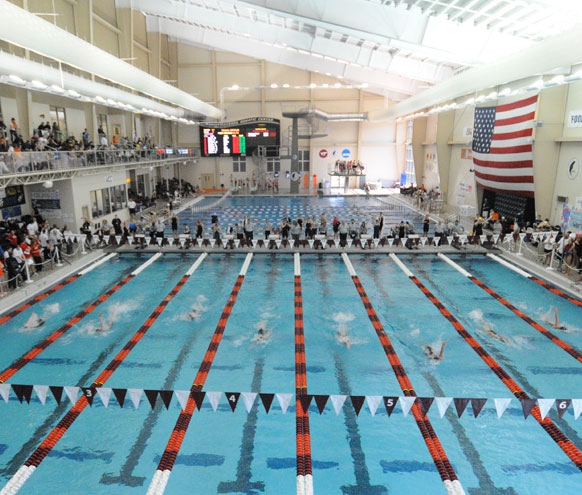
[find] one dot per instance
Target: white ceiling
(398, 48)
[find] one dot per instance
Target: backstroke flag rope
(502, 147)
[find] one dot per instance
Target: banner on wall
(463, 192)
(12, 196)
(48, 203)
(574, 220)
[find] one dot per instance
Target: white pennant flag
(373, 403)
(522, 236)
(255, 242)
(171, 241)
(284, 401)
(214, 399)
(212, 242)
(450, 239)
(435, 241)
(376, 242)
(350, 242)
(336, 242)
(501, 405)
(72, 393)
(248, 399)
(236, 243)
(106, 239)
(311, 241)
(390, 242)
(443, 404)
(182, 242)
(182, 396)
(545, 406)
(130, 240)
(278, 243)
(118, 239)
(423, 240)
(159, 241)
(403, 241)
(135, 396)
(463, 239)
(41, 392)
(104, 394)
(337, 402)
(482, 238)
(577, 406)
(406, 404)
(495, 238)
(292, 243)
(148, 240)
(5, 391)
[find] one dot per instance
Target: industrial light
(14, 79)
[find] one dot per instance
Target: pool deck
(527, 260)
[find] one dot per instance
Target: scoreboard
(242, 137)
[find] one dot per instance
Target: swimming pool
(151, 345)
(230, 210)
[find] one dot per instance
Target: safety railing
(25, 162)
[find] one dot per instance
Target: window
(239, 163)
(96, 203)
(108, 200)
(59, 116)
(273, 164)
(304, 160)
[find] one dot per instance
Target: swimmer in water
(34, 321)
(262, 335)
(556, 323)
(492, 333)
(194, 314)
(103, 325)
(432, 354)
(343, 338)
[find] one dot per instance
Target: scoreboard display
(242, 137)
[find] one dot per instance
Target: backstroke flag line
(502, 147)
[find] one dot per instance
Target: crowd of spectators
(29, 245)
(49, 137)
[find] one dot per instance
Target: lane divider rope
(575, 353)
(32, 463)
(538, 281)
(303, 441)
(436, 450)
(52, 290)
(162, 475)
(546, 423)
(41, 346)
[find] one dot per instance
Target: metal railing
(26, 162)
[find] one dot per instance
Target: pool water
(230, 211)
(116, 450)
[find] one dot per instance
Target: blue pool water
(231, 210)
(116, 450)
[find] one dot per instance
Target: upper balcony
(33, 167)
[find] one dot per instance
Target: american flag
(502, 147)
